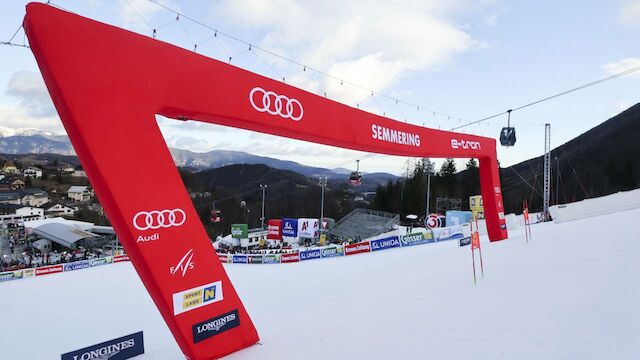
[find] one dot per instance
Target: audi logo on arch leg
(156, 219)
(274, 104)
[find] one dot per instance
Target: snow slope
(570, 293)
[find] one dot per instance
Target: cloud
(622, 65)
(31, 92)
(629, 13)
(371, 43)
(33, 108)
(139, 13)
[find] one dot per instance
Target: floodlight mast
(108, 84)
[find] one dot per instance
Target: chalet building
(79, 193)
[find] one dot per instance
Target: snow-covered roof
(77, 189)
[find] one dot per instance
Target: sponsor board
(77, 265)
(10, 275)
(464, 241)
(274, 229)
(214, 326)
(27, 273)
(100, 261)
(197, 297)
(416, 239)
(447, 233)
(120, 258)
(224, 258)
(52, 269)
(310, 254)
(255, 259)
(386, 243)
(308, 228)
(239, 231)
(332, 251)
(290, 227)
(121, 348)
(290, 257)
(357, 248)
(240, 259)
(271, 259)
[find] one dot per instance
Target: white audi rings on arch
(156, 219)
(274, 104)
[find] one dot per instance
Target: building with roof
(11, 183)
(54, 209)
(32, 172)
(10, 168)
(15, 212)
(79, 193)
(34, 197)
(67, 235)
(10, 197)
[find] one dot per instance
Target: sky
(460, 59)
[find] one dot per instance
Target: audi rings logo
(274, 104)
(156, 219)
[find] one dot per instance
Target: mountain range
(32, 142)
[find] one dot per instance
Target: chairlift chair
(508, 133)
(356, 177)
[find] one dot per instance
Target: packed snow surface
(572, 292)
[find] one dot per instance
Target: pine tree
(448, 168)
(472, 164)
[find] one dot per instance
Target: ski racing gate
(108, 84)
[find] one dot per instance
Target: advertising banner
(274, 229)
(290, 257)
(464, 241)
(52, 269)
(310, 254)
(457, 217)
(290, 227)
(239, 231)
(77, 265)
(447, 233)
(332, 251)
(224, 258)
(27, 273)
(120, 258)
(386, 243)
(100, 261)
(255, 259)
(416, 238)
(240, 259)
(122, 348)
(271, 259)
(10, 275)
(308, 228)
(357, 248)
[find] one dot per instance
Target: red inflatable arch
(107, 85)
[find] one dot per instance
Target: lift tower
(547, 170)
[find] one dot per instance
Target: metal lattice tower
(547, 170)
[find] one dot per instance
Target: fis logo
(194, 298)
(185, 264)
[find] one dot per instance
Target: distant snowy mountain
(32, 141)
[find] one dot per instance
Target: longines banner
(108, 84)
(121, 348)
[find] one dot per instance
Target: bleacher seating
(362, 223)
